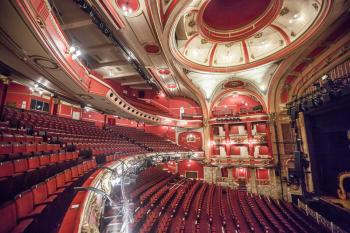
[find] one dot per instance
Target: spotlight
(75, 52)
(324, 77)
(72, 49)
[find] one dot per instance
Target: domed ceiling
(226, 35)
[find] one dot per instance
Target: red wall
(96, 117)
(161, 131)
(17, 93)
(196, 145)
(64, 110)
(190, 165)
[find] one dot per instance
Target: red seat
(5, 148)
(6, 169)
(8, 220)
(42, 147)
(52, 187)
(18, 147)
(30, 147)
(7, 138)
(40, 194)
(80, 169)
(75, 173)
(68, 176)
(33, 163)
(62, 157)
(30, 138)
(20, 138)
(25, 205)
(20, 165)
(75, 155)
(38, 139)
(44, 160)
(61, 181)
(54, 158)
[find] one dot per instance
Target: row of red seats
(188, 199)
(149, 192)
(136, 193)
(227, 210)
(32, 210)
(199, 200)
(13, 150)
(9, 130)
(232, 210)
(16, 175)
(9, 137)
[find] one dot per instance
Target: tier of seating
(42, 157)
(149, 141)
(184, 205)
(39, 208)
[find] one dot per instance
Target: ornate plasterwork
(209, 83)
(290, 26)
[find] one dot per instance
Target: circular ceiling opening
(233, 14)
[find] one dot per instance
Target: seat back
(8, 215)
(44, 160)
(54, 158)
(21, 165)
(61, 156)
(24, 203)
(6, 169)
(68, 175)
(39, 193)
(33, 162)
(75, 172)
(80, 169)
(5, 148)
(51, 185)
(60, 180)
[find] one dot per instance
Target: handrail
(319, 218)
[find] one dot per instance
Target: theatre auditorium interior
(174, 116)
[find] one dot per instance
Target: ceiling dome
(232, 15)
(233, 35)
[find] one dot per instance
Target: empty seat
(18, 147)
(54, 158)
(52, 187)
(40, 194)
(5, 149)
(25, 206)
(20, 165)
(7, 137)
(42, 147)
(6, 170)
(30, 147)
(8, 220)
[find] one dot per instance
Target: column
(268, 139)
(3, 89)
(227, 140)
(250, 138)
(207, 137)
(253, 186)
